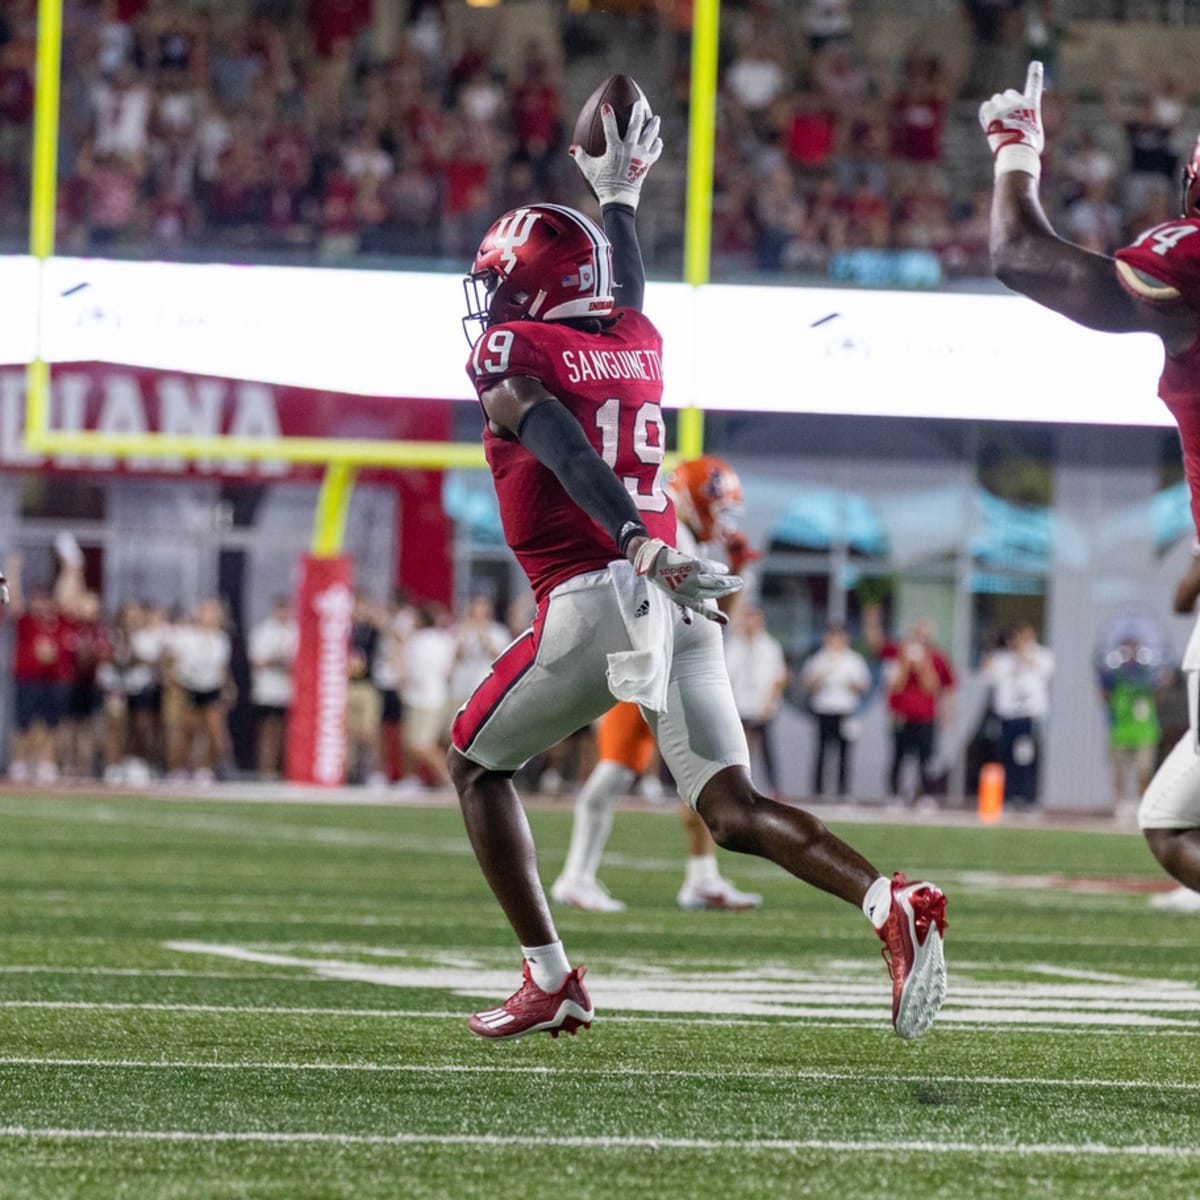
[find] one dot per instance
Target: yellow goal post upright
(342, 457)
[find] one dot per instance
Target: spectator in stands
(828, 24)
(922, 220)
(1159, 205)
(537, 116)
(123, 105)
(997, 40)
(271, 649)
(1150, 125)
(863, 150)
(199, 652)
(1093, 220)
(1086, 163)
(919, 108)
(867, 216)
(835, 680)
(1045, 32)
(756, 78)
(967, 253)
(842, 77)
(809, 130)
(779, 218)
(758, 674)
(334, 25)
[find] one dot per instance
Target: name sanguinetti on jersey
(612, 364)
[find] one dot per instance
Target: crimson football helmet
(708, 495)
(1189, 198)
(542, 262)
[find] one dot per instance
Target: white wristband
(1018, 157)
(616, 195)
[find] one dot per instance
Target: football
(622, 92)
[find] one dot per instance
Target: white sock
(877, 903)
(701, 869)
(548, 965)
(593, 819)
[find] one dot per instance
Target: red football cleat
(530, 1010)
(912, 949)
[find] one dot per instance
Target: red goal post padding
(316, 731)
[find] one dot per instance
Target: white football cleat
(912, 948)
(1177, 900)
(717, 895)
(590, 897)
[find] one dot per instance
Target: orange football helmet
(707, 494)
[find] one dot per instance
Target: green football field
(205, 998)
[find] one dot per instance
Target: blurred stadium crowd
(343, 130)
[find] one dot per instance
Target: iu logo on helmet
(512, 232)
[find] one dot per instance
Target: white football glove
(1012, 121)
(689, 581)
(616, 175)
(3, 590)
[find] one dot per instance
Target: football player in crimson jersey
(1153, 286)
(707, 495)
(570, 384)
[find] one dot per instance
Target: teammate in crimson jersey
(570, 384)
(1152, 286)
(707, 496)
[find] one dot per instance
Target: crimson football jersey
(1165, 262)
(611, 383)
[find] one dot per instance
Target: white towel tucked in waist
(641, 673)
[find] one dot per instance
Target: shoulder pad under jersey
(1162, 265)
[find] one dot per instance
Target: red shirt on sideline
(913, 701)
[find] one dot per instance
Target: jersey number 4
(648, 440)
(1166, 237)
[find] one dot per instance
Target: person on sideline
(1018, 675)
(272, 651)
(835, 680)
(758, 674)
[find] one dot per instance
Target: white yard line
(736, 1145)
(144, 972)
(1003, 1021)
(813, 1075)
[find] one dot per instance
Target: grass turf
(206, 998)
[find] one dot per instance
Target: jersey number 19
(647, 445)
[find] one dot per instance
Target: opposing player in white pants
(1152, 286)
(708, 497)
